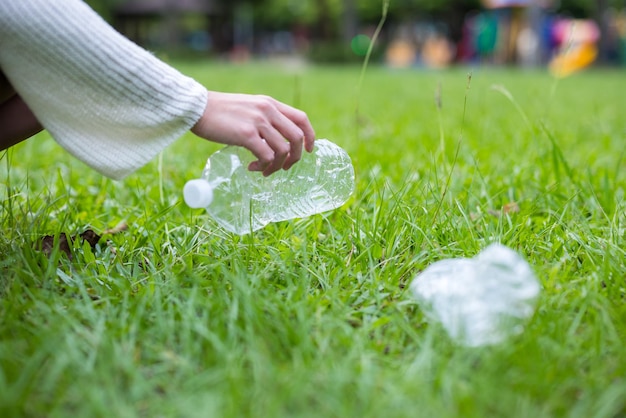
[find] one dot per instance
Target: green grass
(313, 317)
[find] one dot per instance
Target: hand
(273, 131)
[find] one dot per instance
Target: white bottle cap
(198, 193)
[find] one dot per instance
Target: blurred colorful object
(577, 40)
(497, 4)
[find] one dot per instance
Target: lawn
(314, 317)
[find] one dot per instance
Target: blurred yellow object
(401, 54)
(437, 52)
(573, 59)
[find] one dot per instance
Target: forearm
(17, 122)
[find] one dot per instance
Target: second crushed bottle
(242, 201)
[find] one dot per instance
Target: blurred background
(561, 34)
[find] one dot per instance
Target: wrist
(199, 127)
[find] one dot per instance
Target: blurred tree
(339, 20)
(332, 18)
(104, 7)
(282, 14)
(350, 20)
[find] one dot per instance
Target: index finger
(302, 121)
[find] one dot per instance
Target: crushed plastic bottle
(479, 301)
(242, 201)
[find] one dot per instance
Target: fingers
(271, 150)
(285, 132)
(281, 148)
(273, 131)
(261, 150)
(287, 124)
(300, 119)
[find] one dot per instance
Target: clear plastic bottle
(481, 300)
(242, 201)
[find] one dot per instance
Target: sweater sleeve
(104, 99)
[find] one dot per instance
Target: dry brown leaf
(46, 245)
(65, 245)
(120, 227)
(511, 207)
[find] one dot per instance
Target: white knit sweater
(107, 101)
